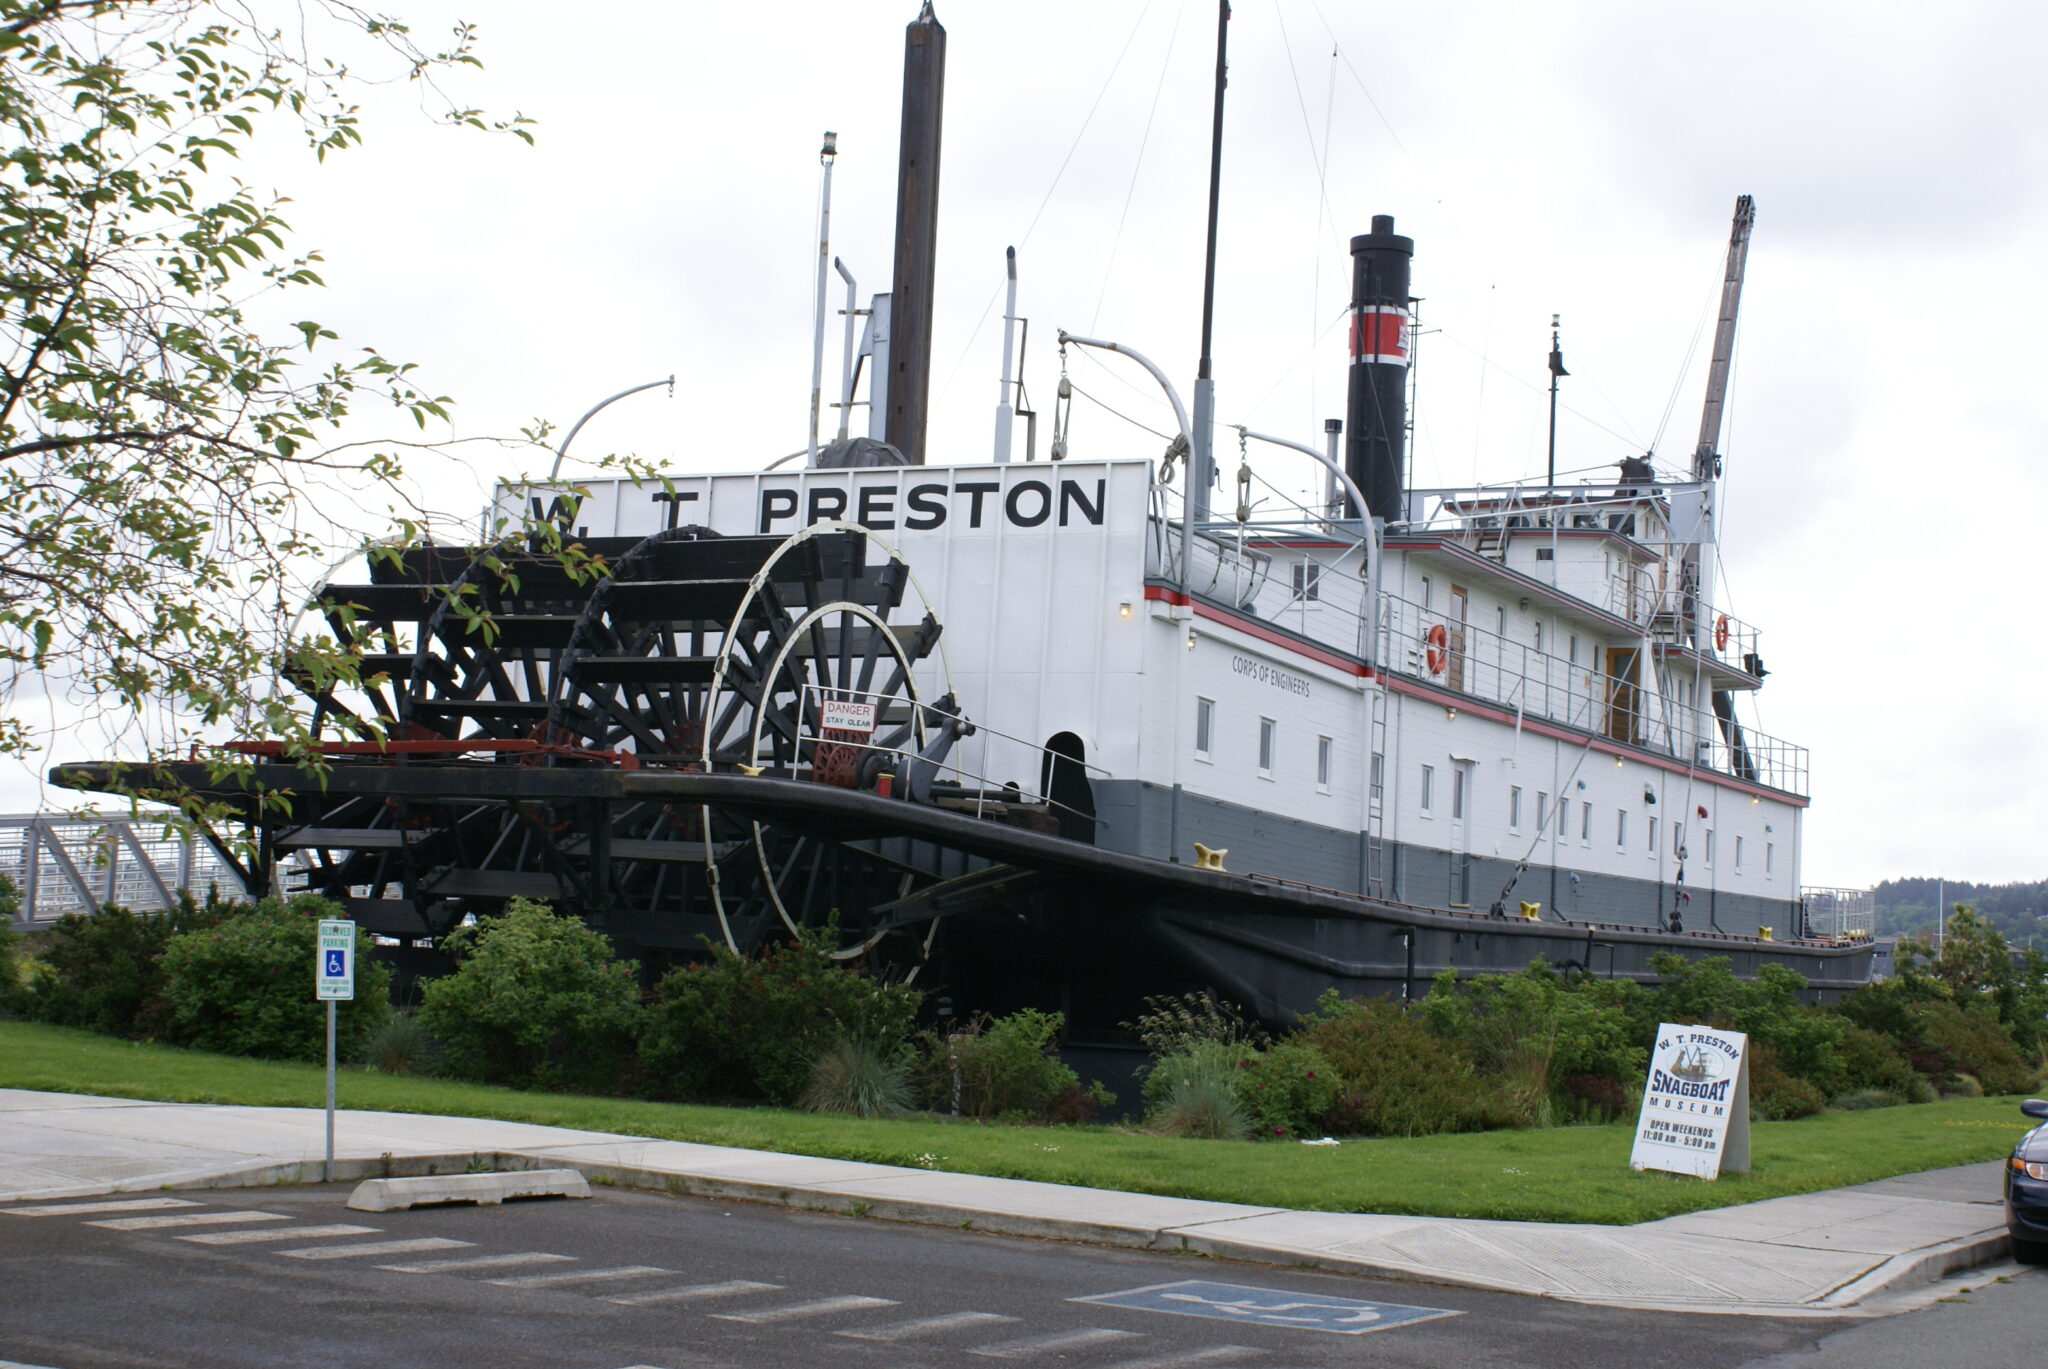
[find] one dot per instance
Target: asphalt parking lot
(292, 1277)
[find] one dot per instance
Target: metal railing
(1839, 914)
(1581, 694)
(980, 786)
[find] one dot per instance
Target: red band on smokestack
(1380, 334)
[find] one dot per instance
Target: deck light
(1123, 610)
(1191, 640)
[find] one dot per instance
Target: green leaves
(166, 463)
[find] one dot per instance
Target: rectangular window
(1266, 726)
(1500, 622)
(1542, 810)
(1428, 788)
(1653, 836)
(1678, 840)
(1586, 822)
(1539, 638)
(1620, 827)
(1575, 648)
(1458, 792)
(1425, 594)
(1710, 846)
(1323, 748)
(1514, 807)
(1545, 554)
(1738, 855)
(1770, 856)
(1205, 727)
(1308, 581)
(1564, 813)
(1379, 777)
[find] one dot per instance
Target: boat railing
(1582, 694)
(978, 786)
(1838, 914)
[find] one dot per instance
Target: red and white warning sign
(847, 715)
(841, 721)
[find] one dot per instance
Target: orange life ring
(1438, 644)
(1721, 633)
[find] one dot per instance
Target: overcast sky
(1885, 426)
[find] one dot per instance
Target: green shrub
(245, 985)
(864, 1078)
(100, 971)
(398, 1045)
(1409, 1081)
(1004, 1067)
(1169, 1026)
(536, 1000)
(1540, 1041)
(1977, 1044)
(1194, 1093)
(13, 990)
(1871, 1062)
(1775, 1095)
(732, 1027)
(1287, 1090)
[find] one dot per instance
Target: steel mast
(1201, 460)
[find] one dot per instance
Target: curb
(1917, 1268)
(1899, 1274)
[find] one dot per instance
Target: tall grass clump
(864, 1078)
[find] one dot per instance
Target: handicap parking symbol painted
(1269, 1307)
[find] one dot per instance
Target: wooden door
(1455, 629)
(1623, 694)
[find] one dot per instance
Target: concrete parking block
(485, 1190)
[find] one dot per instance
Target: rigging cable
(1691, 350)
(1039, 213)
(1562, 407)
(1131, 190)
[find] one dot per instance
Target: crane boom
(1705, 456)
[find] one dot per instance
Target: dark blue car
(2026, 1189)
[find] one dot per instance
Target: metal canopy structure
(63, 863)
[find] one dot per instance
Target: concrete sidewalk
(1821, 1253)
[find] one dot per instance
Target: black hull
(1055, 923)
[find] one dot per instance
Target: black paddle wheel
(812, 657)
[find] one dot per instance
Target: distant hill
(2020, 911)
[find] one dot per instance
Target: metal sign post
(334, 981)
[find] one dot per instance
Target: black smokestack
(1376, 411)
(917, 235)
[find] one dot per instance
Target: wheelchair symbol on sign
(335, 967)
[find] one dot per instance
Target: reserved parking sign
(334, 961)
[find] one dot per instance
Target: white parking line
(348, 1252)
(730, 1288)
(189, 1219)
(1212, 1354)
(796, 1311)
(927, 1326)
(462, 1262)
(624, 1271)
(11, 1364)
(1057, 1341)
(294, 1233)
(69, 1209)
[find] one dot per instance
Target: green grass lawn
(1577, 1174)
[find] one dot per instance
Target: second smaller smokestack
(1376, 410)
